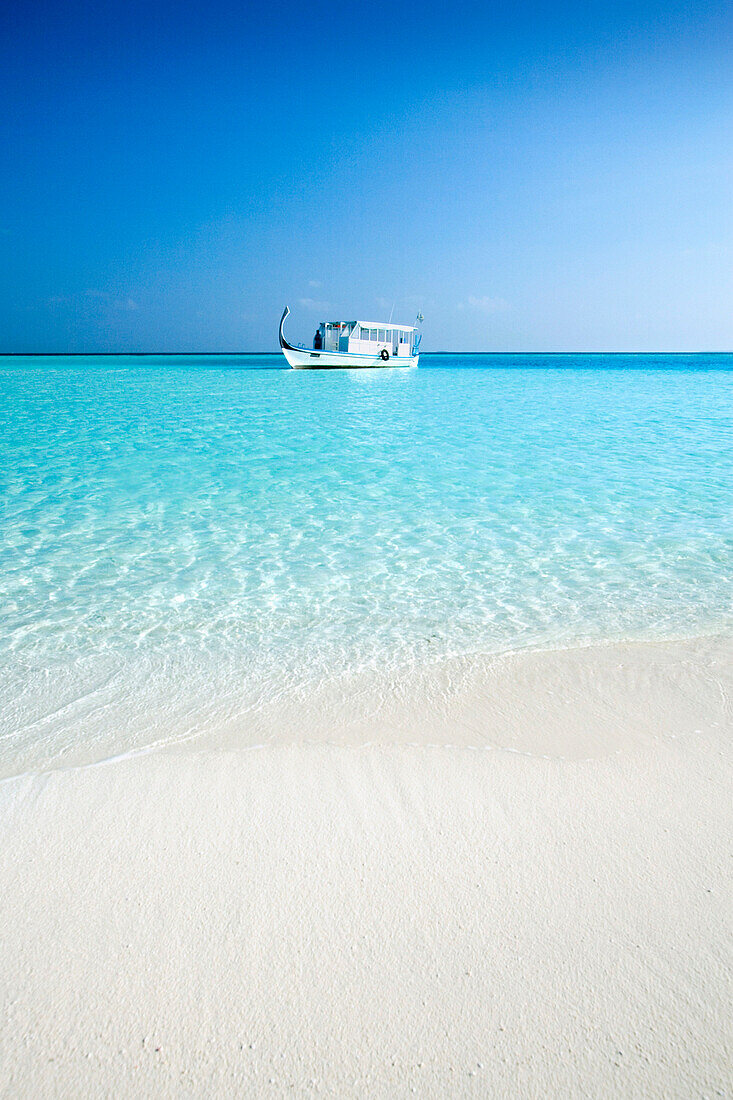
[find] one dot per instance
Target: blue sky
(538, 177)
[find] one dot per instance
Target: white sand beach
(521, 887)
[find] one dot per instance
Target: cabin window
(372, 334)
(364, 333)
(382, 337)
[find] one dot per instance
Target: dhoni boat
(355, 344)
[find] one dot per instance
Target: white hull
(302, 359)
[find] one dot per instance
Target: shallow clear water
(184, 537)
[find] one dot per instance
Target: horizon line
(113, 354)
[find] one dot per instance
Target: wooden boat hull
(300, 359)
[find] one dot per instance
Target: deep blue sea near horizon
(185, 537)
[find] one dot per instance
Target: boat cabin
(364, 338)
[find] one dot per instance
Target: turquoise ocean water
(185, 538)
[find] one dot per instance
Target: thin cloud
(314, 283)
(104, 299)
(311, 303)
(486, 304)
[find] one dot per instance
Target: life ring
(384, 354)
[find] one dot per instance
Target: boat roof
(372, 324)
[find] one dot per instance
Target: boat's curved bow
(283, 342)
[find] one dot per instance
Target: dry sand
(397, 918)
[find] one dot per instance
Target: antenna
(390, 314)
